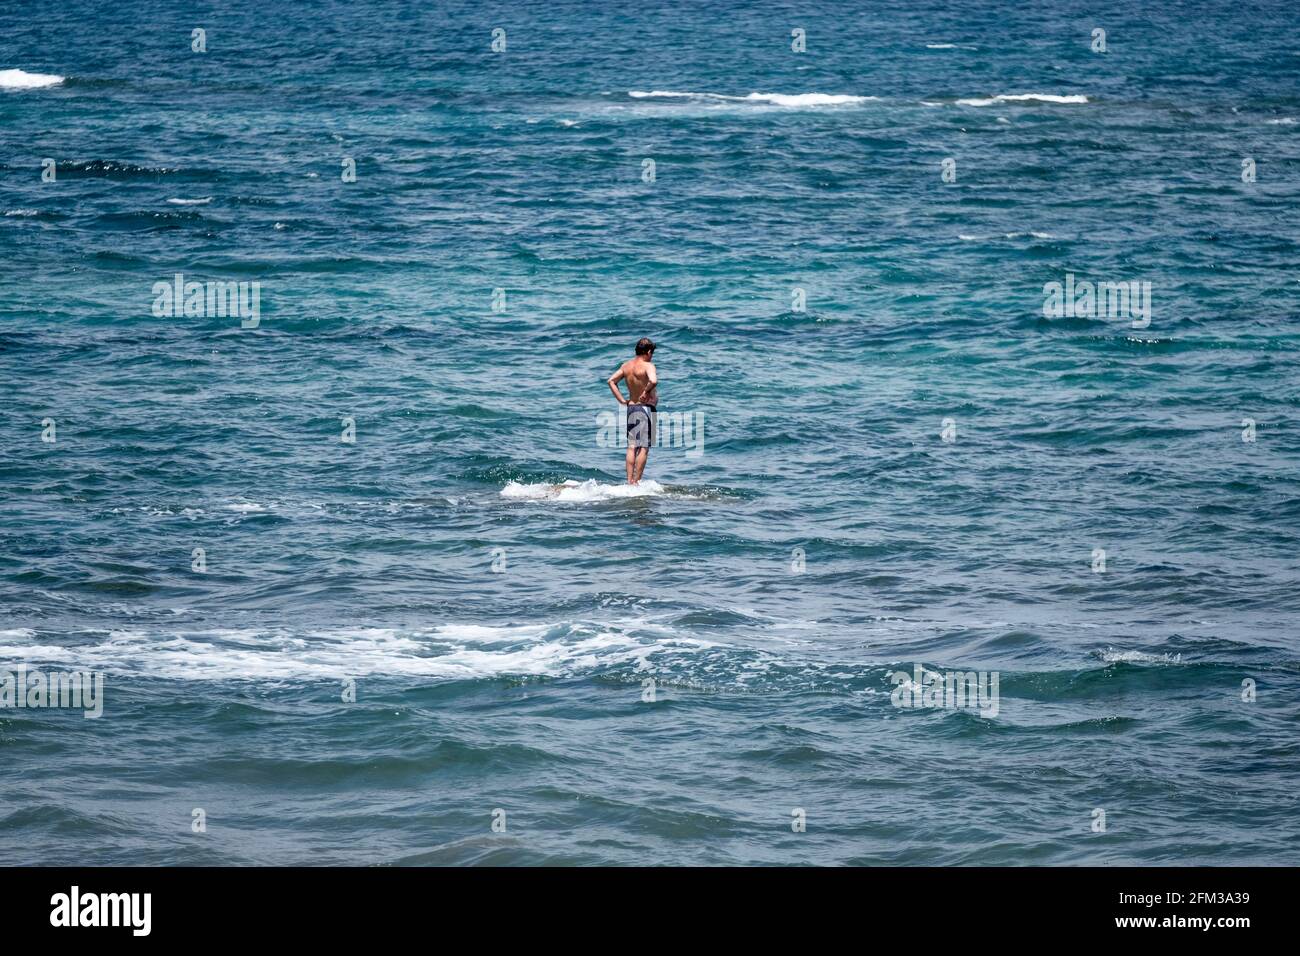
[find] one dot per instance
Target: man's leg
(641, 455)
(631, 459)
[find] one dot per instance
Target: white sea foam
(1284, 121)
(581, 491)
(787, 100)
(22, 213)
(1025, 98)
(190, 202)
(948, 46)
(22, 80)
(157, 512)
(1112, 656)
(448, 652)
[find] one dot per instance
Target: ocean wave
(145, 221)
(109, 169)
(22, 80)
(447, 652)
(624, 652)
(23, 213)
(593, 490)
(1006, 235)
(1112, 656)
(948, 46)
(1069, 98)
(787, 100)
(581, 491)
(176, 201)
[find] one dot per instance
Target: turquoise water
(499, 631)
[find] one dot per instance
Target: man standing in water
(642, 402)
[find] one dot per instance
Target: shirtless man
(643, 397)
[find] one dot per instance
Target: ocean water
(912, 467)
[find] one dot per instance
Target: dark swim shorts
(640, 425)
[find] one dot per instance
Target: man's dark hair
(644, 347)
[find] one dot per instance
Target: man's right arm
(613, 385)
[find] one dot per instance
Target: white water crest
(446, 652)
(1113, 656)
(1071, 98)
(22, 80)
(581, 491)
(787, 100)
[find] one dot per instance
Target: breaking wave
(22, 80)
(787, 100)
(1026, 98)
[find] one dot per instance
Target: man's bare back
(642, 381)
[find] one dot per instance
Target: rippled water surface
(819, 534)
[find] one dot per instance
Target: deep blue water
(521, 688)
